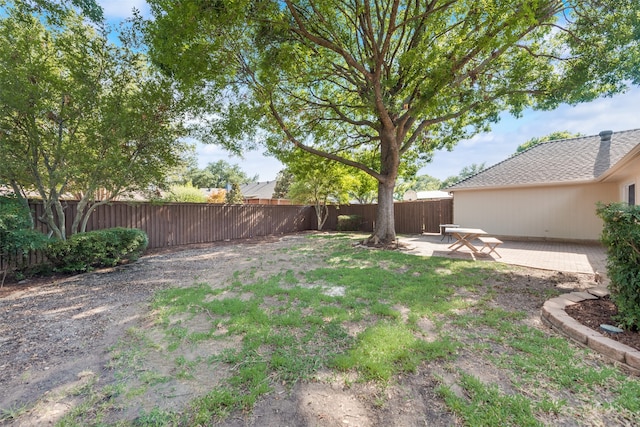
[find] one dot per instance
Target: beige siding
(563, 212)
(629, 175)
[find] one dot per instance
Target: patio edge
(553, 314)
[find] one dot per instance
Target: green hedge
(349, 222)
(100, 248)
(17, 237)
(621, 235)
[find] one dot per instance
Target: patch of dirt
(602, 311)
(57, 334)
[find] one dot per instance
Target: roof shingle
(561, 161)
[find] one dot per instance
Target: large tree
(80, 116)
(374, 83)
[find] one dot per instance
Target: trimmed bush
(100, 248)
(621, 235)
(349, 222)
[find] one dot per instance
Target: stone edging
(554, 315)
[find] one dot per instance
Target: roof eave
(524, 185)
(631, 155)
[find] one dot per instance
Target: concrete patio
(559, 256)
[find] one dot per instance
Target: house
(413, 195)
(550, 191)
(261, 193)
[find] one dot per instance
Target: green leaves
(621, 236)
(17, 236)
(78, 114)
(397, 80)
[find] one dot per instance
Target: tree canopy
(53, 9)
(79, 115)
(554, 136)
(381, 83)
(218, 175)
(465, 173)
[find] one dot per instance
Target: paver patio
(567, 257)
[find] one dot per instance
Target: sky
(617, 113)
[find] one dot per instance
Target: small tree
(17, 237)
(621, 236)
(319, 183)
(364, 189)
(234, 195)
(283, 182)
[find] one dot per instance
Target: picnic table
(464, 236)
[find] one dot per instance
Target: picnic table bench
(464, 236)
(490, 243)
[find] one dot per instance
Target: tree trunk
(322, 213)
(385, 228)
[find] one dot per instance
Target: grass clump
(388, 349)
(486, 405)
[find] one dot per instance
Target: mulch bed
(596, 312)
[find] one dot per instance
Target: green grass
(486, 405)
(292, 325)
(388, 349)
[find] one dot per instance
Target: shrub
(349, 222)
(100, 248)
(621, 236)
(217, 196)
(185, 194)
(17, 238)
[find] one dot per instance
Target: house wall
(563, 212)
(627, 176)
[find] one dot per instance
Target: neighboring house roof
(258, 190)
(564, 161)
(426, 195)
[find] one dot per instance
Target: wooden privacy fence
(410, 217)
(176, 224)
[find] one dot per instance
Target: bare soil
(603, 311)
(56, 334)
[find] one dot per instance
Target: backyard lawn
(310, 329)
